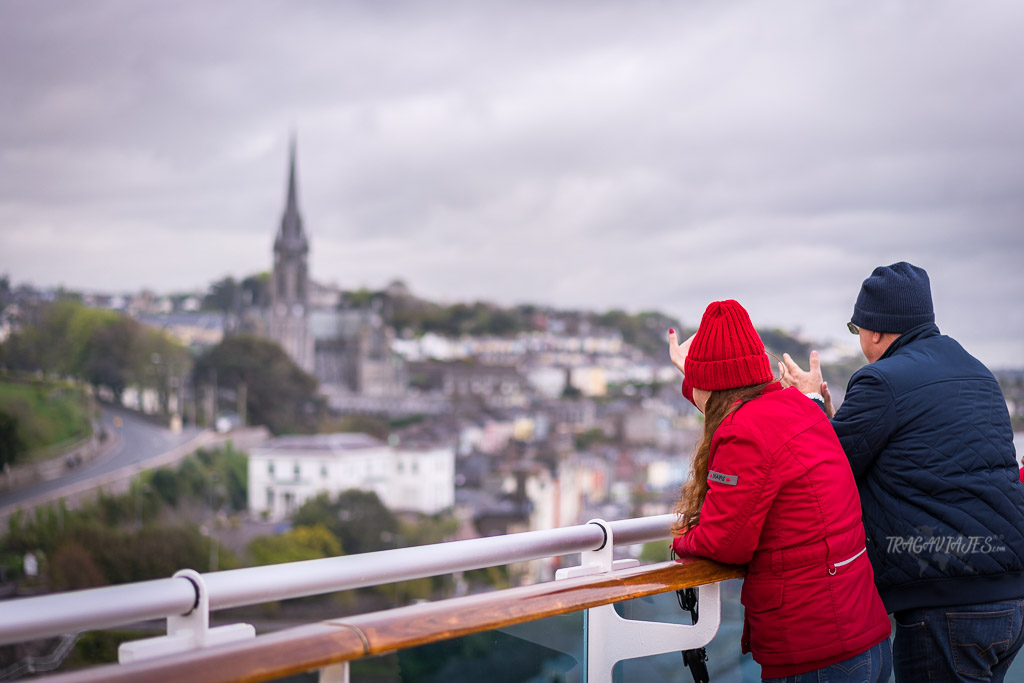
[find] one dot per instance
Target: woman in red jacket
(772, 489)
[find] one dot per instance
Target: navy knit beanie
(895, 298)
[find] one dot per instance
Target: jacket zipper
(832, 568)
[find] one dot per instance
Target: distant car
(225, 422)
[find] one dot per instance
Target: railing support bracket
(609, 638)
(597, 561)
(188, 631)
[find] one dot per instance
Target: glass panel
(511, 655)
(544, 650)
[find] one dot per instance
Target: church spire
(288, 321)
(291, 238)
(293, 202)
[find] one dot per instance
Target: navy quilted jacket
(928, 436)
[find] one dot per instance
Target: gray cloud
(641, 155)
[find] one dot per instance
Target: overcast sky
(642, 154)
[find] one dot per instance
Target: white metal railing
(187, 598)
(55, 614)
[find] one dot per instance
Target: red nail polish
(671, 330)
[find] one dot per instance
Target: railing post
(609, 638)
(335, 673)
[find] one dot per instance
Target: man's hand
(793, 376)
(829, 410)
(809, 382)
(676, 351)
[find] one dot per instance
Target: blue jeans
(871, 666)
(963, 643)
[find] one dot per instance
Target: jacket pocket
(761, 596)
(768, 633)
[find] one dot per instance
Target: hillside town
(509, 419)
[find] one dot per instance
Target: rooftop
(319, 443)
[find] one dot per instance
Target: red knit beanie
(726, 353)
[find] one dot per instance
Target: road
(135, 440)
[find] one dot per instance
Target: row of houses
(503, 474)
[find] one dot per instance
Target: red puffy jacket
(782, 500)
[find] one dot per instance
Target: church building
(348, 350)
(288, 317)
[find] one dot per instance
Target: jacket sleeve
(866, 420)
(733, 514)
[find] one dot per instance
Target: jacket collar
(922, 331)
(773, 386)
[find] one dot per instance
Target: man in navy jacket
(928, 436)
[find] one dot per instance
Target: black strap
(696, 659)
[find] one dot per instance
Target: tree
(104, 547)
(279, 394)
(360, 298)
(110, 357)
(256, 290)
(301, 543)
(5, 291)
(11, 443)
(357, 518)
(161, 363)
(104, 348)
(430, 529)
(236, 478)
(72, 567)
(44, 341)
(165, 483)
(224, 296)
(152, 552)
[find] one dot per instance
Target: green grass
(47, 414)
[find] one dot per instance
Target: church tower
(289, 284)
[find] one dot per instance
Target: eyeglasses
(852, 328)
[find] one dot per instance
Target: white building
(289, 470)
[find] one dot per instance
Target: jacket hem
(784, 670)
(952, 591)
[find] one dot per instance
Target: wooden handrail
(312, 646)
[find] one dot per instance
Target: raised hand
(793, 376)
(829, 410)
(676, 351)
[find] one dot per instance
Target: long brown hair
(720, 405)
